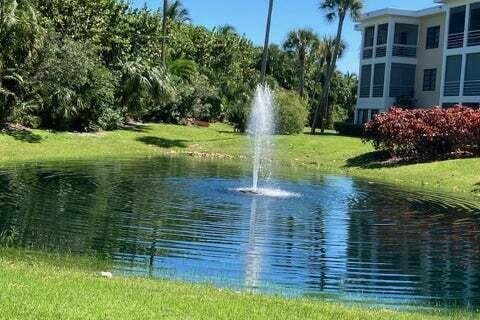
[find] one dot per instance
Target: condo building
(423, 58)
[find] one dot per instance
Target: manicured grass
(37, 286)
(330, 153)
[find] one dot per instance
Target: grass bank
(37, 286)
(330, 153)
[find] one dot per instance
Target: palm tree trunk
(164, 32)
(323, 107)
(267, 42)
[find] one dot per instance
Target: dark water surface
(182, 219)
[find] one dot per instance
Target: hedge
(426, 133)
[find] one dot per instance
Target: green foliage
(238, 115)
(183, 68)
(291, 113)
(348, 129)
(142, 87)
(89, 65)
(71, 86)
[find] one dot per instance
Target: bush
(196, 99)
(70, 87)
(291, 112)
(348, 129)
(426, 133)
(238, 115)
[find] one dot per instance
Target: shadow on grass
(24, 136)
(476, 188)
(372, 160)
(162, 142)
(136, 127)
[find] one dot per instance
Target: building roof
(403, 13)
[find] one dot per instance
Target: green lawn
(35, 286)
(330, 153)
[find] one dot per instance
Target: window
(402, 80)
(472, 75)
(406, 34)
(456, 27)
(382, 34)
(362, 116)
(452, 76)
(474, 26)
(429, 79)
(369, 35)
(365, 81)
(457, 20)
(373, 113)
(433, 37)
(378, 80)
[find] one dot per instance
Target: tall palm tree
(267, 43)
(325, 51)
(303, 43)
(171, 11)
(164, 31)
(335, 9)
(176, 11)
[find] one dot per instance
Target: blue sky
(248, 17)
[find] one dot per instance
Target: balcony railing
(378, 91)
(367, 53)
(404, 51)
(365, 92)
(381, 51)
(474, 38)
(455, 40)
(471, 88)
(451, 89)
(401, 91)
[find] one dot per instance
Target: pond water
(182, 219)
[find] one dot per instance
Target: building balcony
(365, 92)
(474, 38)
(451, 89)
(377, 91)
(455, 40)
(381, 51)
(367, 53)
(405, 51)
(471, 88)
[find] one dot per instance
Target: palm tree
(226, 29)
(176, 11)
(325, 51)
(266, 44)
(164, 31)
(335, 9)
(302, 43)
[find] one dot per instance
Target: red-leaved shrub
(426, 133)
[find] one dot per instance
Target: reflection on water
(183, 219)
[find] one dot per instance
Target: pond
(179, 218)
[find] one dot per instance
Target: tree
(302, 43)
(335, 9)
(20, 37)
(267, 42)
(176, 11)
(164, 31)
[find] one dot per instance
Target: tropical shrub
(238, 115)
(348, 129)
(71, 87)
(291, 112)
(426, 133)
(194, 99)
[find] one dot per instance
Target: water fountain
(261, 128)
